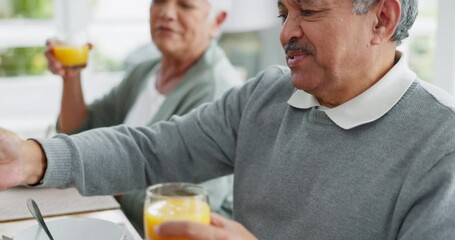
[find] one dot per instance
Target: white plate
(74, 229)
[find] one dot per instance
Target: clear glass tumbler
(174, 201)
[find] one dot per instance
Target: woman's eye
(185, 5)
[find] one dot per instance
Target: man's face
(180, 27)
(326, 44)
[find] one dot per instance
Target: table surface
(11, 228)
(58, 204)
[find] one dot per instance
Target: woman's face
(180, 28)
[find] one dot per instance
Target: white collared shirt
(369, 105)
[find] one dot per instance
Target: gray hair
(409, 11)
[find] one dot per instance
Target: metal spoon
(34, 210)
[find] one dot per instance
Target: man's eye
(282, 17)
(307, 13)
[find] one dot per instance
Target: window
(115, 27)
(430, 45)
(21, 23)
(421, 44)
(37, 9)
(27, 90)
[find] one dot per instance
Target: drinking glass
(174, 201)
(73, 51)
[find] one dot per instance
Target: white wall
(445, 48)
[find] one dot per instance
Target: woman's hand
(55, 66)
(220, 229)
(52, 63)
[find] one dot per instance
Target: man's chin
(303, 83)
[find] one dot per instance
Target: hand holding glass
(72, 56)
(174, 201)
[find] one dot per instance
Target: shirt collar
(369, 105)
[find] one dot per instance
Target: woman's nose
(167, 11)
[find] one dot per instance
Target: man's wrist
(35, 163)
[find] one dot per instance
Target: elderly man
(362, 149)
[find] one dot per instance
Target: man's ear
(219, 20)
(388, 13)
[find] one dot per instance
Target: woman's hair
(409, 10)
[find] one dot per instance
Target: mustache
(299, 47)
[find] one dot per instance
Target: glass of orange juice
(72, 49)
(72, 56)
(174, 201)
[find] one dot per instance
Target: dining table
(58, 204)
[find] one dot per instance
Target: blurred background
(30, 95)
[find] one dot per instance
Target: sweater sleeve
(196, 147)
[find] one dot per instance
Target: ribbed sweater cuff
(59, 163)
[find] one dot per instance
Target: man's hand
(21, 162)
(220, 229)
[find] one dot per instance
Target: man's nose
(291, 29)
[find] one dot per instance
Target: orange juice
(174, 209)
(72, 56)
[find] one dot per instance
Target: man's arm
(22, 162)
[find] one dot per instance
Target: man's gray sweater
(297, 174)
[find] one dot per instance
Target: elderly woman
(191, 71)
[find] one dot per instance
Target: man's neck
(356, 85)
